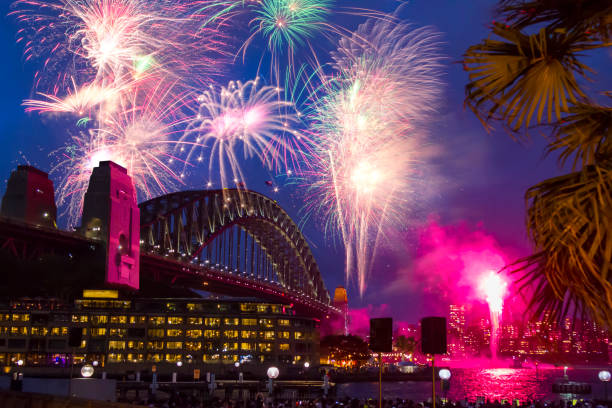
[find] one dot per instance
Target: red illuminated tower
(110, 213)
(341, 302)
(30, 197)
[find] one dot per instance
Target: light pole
(272, 374)
(605, 376)
(444, 375)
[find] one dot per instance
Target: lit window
(194, 320)
(21, 317)
(194, 334)
(118, 319)
(266, 322)
(284, 335)
(98, 331)
(135, 358)
(248, 307)
(230, 334)
(157, 320)
(210, 357)
(174, 332)
(115, 358)
(194, 307)
(173, 358)
(249, 322)
(136, 345)
(116, 345)
(155, 345)
(276, 309)
(115, 332)
(231, 321)
(155, 333)
(156, 358)
(212, 321)
(79, 319)
(298, 335)
(39, 331)
(268, 335)
(248, 334)
(99, 319)
(175, 320)
(284, 322)
(20, 331)
(138, 319)
(283, 347)
(264, 347)
(59, 331)
(297, 358)
(230, 346)
(211, 334)
(247, 346)
(262, 308)
(174, 345)
(193, 345)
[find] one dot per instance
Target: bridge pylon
(111, 214)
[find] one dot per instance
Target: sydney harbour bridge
(232, 241)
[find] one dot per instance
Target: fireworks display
(494, 288)
(140, 79)
(368, 119)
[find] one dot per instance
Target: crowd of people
(179, 400)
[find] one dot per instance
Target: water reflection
(471, 383)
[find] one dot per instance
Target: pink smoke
(450, 263)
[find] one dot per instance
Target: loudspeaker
(433, 335)
(75, 335)
(381, 335)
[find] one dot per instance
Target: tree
(527, 75)
(351, 350)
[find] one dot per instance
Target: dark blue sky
(479, 178)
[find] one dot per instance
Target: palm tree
(524, 80)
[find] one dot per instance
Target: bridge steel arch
(240, 234)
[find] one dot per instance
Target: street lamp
(87, 370)
(19, 362)
(444, 375)
(272, 374)
(179, 363)
(306, 364)
(236, 364)
(605, 376)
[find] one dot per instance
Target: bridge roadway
(27, 241)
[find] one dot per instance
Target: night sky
(475, 184)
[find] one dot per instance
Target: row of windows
(175, 357)
(176, 320)
(174, 307)
(195, 346)
(154, 333)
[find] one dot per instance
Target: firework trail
(240, 121)
(494, 288)
(367, 121)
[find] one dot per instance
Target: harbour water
(490, 383)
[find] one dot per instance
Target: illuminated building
(133, 334)
(457, 330)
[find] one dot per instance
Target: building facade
(135, 334)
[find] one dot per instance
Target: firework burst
(141, 135)
(240, 121)
(368, 125)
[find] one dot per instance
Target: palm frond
(585, 134)
(591, 16)
(522, 75)
(570, 222)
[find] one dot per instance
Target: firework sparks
(140, 136)
(103, 40)
(367, 121)
(494, 288)
(248, 116)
